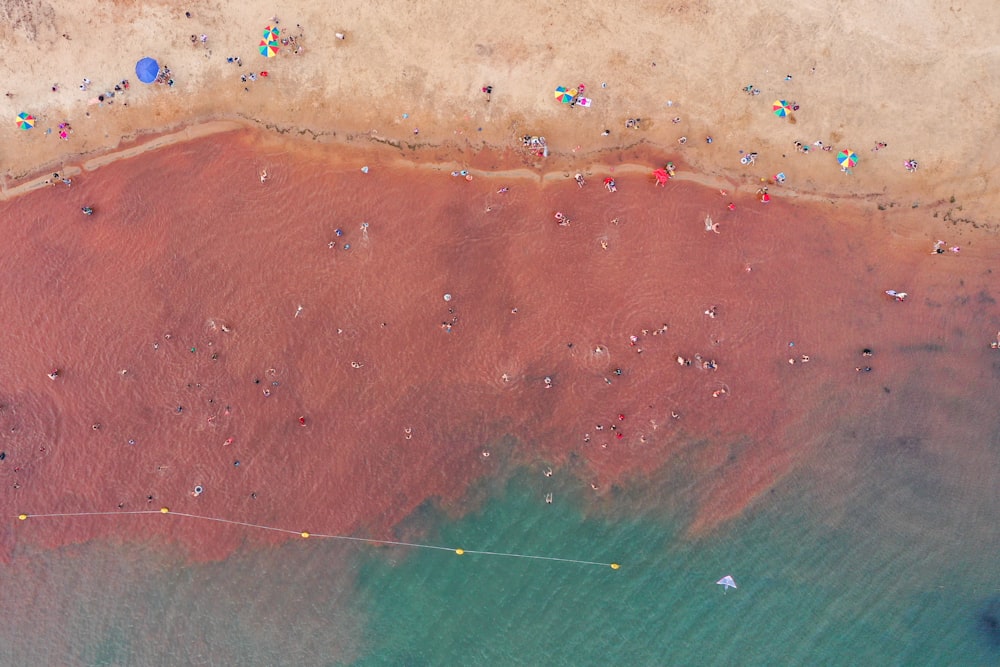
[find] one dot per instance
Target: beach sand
(162, 258)
(922, 81)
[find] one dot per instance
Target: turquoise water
(808, 594)
(812, 590)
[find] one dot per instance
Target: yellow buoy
(615, 566)
(460, 551)
(22, 517)
(165, 510)
(305, 534)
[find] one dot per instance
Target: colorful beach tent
(147, 70)
(25, 121)
(565, 95)
(847, 158)
(782, 108)
(268, 49)
(726, 582)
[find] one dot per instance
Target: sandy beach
(923, 82)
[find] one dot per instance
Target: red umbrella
(661, 176)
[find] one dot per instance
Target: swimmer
(548, 472)
(579, 180)
(503, 190)
(54, 373)
(548, 498)
(898, 296)
(263, 175)
(867, 352)
(863, 369)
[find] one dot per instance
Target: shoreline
(559, 166)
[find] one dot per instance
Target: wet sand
(182, 291)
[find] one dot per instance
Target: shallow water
(189, 278)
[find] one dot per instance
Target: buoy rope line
(305, 534)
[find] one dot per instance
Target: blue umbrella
(147, 70)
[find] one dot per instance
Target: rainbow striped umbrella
(565, 95)
(271, 33)
(268, 49)
(847, 158)
(781, 108)
(25, 121)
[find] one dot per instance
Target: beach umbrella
(25, 121)
(565, 95)
(847, 158)
(268, 49)
(147, 70)
(781, 108)
(271, 33)
(661, 176)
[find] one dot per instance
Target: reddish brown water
(182, 291)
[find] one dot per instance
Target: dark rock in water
(988, 623)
